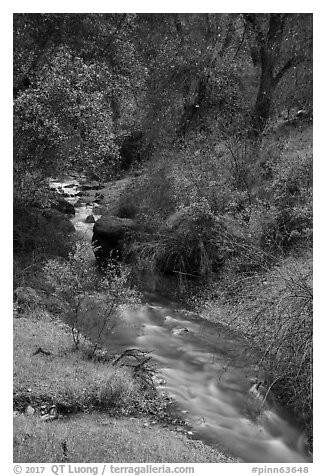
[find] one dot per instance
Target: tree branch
(294, 61)
(178, 25)
(117, 28)
(241, 41)
(251, 20)
(276, 26)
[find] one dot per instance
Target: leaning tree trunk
(267, 44)
(263, 102)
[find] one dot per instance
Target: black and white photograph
(162, 241)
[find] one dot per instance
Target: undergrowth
(273, 311)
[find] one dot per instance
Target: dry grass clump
(192, 243)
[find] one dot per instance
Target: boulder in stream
(90, 219)
(108, 235)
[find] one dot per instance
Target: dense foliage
(85, 85)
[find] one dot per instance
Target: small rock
(181, 331)
(300, 113)
(90, 219)
(179, 428)
(168, 318)
(29, 410)
(199, 420)
(190, 432)
(63, 206)
(158, 380)
(48, 417)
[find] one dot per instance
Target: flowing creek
(205, 368)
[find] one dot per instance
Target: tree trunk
(268, 44)
(265, 94)
(191, 111)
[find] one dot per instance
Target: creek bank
(49, 372)
(97, 437)
(58, 220)
(51, 386)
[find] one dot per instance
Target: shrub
(287, 227)
(192, 243)
(36, 237)
(274, 311)
(200, 170)
(287, 196)
(151, 195)
(75, 281)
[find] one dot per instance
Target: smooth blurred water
(208, 373)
